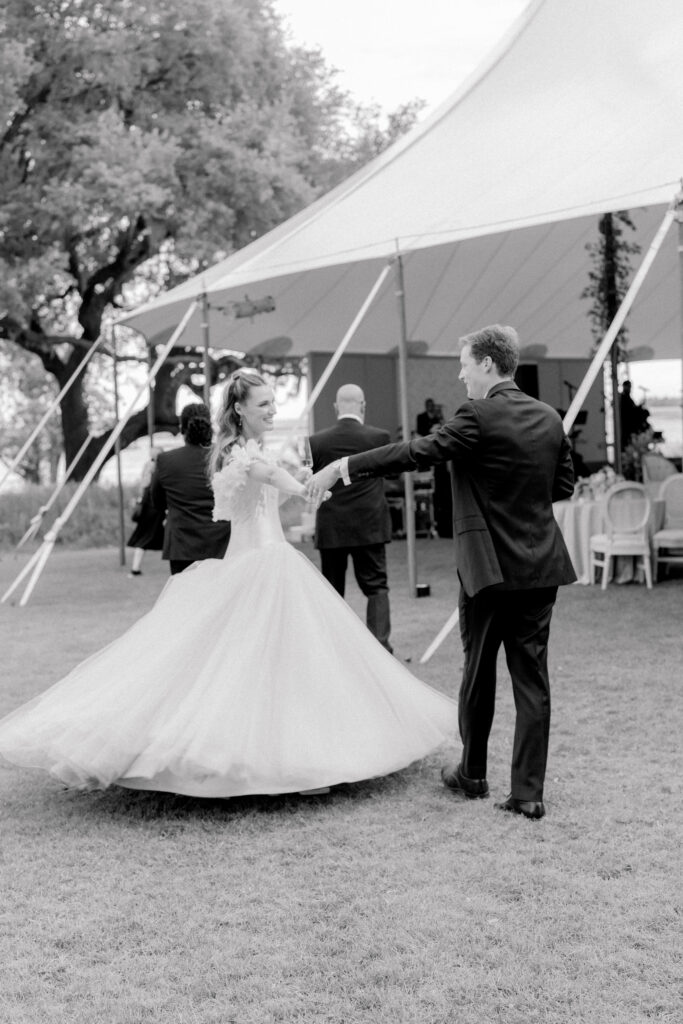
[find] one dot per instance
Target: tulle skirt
(249, 675)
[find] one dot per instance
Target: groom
(510, 460)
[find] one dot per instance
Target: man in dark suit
(510, 460)
(355, 521)
(427, 422)
(428, 419)
(180, 487)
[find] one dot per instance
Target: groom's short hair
(498, 342)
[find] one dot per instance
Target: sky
(392, 53)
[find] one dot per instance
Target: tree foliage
(610, 273)
(142, 140)
(25, 396)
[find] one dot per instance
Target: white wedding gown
(249, 675)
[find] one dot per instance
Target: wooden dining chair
(667, 543)
(627, 510)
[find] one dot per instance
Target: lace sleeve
(229, 483)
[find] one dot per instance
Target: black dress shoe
(473, 789)
(533, 809)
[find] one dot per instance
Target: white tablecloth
(579, 521)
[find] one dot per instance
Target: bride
(249, 675)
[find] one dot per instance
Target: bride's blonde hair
(229, 421)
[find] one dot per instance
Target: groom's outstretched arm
(455, 438)
(390, 458)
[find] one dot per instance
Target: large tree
(144, 139)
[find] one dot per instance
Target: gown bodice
(251, 506)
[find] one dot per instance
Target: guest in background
(431, 417)
(634, 419)
(355, 521)
(148, 534)
(180, 488)
(427, 422)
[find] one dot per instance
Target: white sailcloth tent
(491, 202)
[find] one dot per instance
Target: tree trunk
(74, 414)
(73, 409)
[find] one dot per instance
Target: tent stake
(24, 572)
(441, 636)
(37, 519)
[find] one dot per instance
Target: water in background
(669, 420)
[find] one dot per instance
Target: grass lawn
(388, 901)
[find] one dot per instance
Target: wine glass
(303, 448)
(305, 455)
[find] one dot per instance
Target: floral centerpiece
(595, 486)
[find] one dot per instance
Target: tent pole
(205, 348)
(151, 355)
(614, 328)
(49, 411)
(607, 229)
(117, 452)
(593, 369)
(341, 348)
(405, 426)
(37, 519)
(441, 636)
(679, 218)
(43, 552)
(24, 572)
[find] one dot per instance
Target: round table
(579, 520)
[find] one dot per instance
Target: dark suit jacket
(510, 460)
(357, 515)
(180, 484)
(425, 422)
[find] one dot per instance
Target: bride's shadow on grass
(139, 805)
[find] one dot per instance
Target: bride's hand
(314, 496)
(303, 474)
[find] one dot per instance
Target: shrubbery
(93, 524)
(95, 520)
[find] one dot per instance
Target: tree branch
(34, 340)
(136, 244)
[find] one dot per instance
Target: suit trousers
(180, 565)
(370, 570)
(520, 621)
